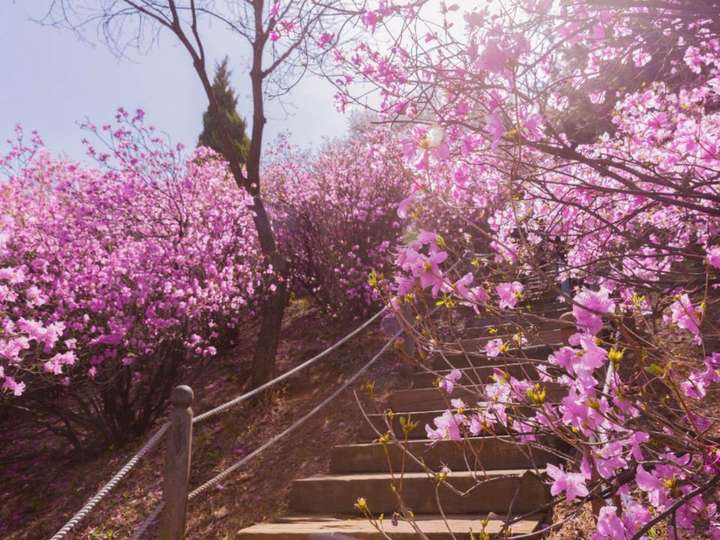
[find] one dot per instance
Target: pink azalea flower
(448, 381)
(509, 294)
(588, 306)
(494, 347)
(370, 19)
(572, 484)
(609, 525)
(474, 295)
(495, 126)
(650, 484)
(637, 439)
(458, 403)
(447, 427)
(694, 59)
(525, 430)
(17, 388)
(564, 358)
(476, 425)
(713, 256)
(683, 313)
(275, 10)
(494, 58)
(12, 348)
(609, 459)
(56, 363)
(429, 273)
(404, 206)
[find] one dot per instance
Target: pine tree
(227, 115)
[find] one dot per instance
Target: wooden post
(177, 465)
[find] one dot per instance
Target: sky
(52, 81)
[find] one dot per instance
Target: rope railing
(213, 481)
(153, 516)
(255, 391)
(158, 435)
(115, 480)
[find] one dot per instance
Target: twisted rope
(155, 439)
(115, 480)
(140, 531)
(215, 480)
(229, 404)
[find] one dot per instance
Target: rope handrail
(232, 468)
(115, 480)
(155, 439)
(297, 423)
(229, 404)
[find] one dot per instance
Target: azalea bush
(335, 214)
(584, 135)
(116, 278)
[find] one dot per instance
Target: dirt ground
(39, 495)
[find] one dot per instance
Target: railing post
(177, 465)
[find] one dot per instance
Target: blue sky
(52, 81)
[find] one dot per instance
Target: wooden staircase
(499, 475)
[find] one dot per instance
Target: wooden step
(535, 315)
(475, 330)
(476, 453)
(337, 494)
(317, 527)
(368, 431)
(519, 370)
(554, 335)
(433, 398)
(515, 354)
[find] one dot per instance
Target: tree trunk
(274, 308)
(269, 336)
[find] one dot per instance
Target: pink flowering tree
(336, 215)
(576, 147)
(116, 279)
(282, 41)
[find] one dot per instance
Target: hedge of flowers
(113, 275)
(335, 215)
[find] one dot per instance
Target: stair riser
(338, 496)
(476, 330)
(477, 375)
(431, 399)
(360, 528)
(547, 336)
(367, 433)
(478, 359)
(525, 318)
(490, 453)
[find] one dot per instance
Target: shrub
(336, 214)
(117, 277)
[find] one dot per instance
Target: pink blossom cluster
(335, 214)
(104, 268)
(494, 112)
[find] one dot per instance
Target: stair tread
(411, 475)
(296, 527)
(471, 386)
(402, 401)
(487, 452)
(430, 441)
(441, 372)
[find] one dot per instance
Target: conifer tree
(227, 105)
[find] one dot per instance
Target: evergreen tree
(226, 117)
